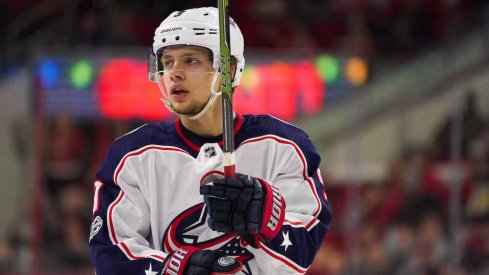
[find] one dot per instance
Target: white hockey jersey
(147, 201)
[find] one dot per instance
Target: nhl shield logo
(210, 152)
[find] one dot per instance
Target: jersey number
(96, 201)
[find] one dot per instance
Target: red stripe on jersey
(111, 223)
(311, 223)
(293, 222)
(283, 260)
(320, 177)
(185, 139)
(308, 226)
(114, 236)
(134, 257)
(196, 148)
(236, 128)
(311, 185)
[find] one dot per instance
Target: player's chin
(182, 109)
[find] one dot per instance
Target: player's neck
(209, 125)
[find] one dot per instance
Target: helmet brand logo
(171, 29)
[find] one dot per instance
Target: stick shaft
(226, 88)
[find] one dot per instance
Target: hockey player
(161, 205)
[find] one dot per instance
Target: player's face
(188, 74)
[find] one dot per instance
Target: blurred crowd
(71, 154)
(430, 216)
(364, 27)
(379, 30)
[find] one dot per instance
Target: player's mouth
(178, 93)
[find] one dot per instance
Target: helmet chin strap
(212, 99)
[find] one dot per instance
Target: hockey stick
(229, 160)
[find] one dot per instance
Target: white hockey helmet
(198, 27)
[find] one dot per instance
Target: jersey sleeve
(307, 217)
(120, 241)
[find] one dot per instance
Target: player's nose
(177, 72)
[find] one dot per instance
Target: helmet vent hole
(240, 70)
(163, 40)
(205, 14)
(177, 38)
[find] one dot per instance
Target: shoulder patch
(95, 228)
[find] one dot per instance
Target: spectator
(66, 155)
(472, 125)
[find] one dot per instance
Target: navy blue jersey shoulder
(158, 133)
(261, 125)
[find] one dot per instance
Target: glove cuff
(175, 262)
(273, 211)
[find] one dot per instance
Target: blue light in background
(49, 73)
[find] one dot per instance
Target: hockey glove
(191, 261)
(249, 206)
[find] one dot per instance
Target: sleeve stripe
(139, 152)
(294, 223)
(128, 253)
(320, 177)
(314, 192)
(112, 234)
(166, 244)
(284, 260)
(299, 224)
(311, 224)
(131, 256)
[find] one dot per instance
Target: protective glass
(152, 65)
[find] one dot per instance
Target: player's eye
(191, 60)
(168, 64)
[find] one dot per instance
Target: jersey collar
(195, 141)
